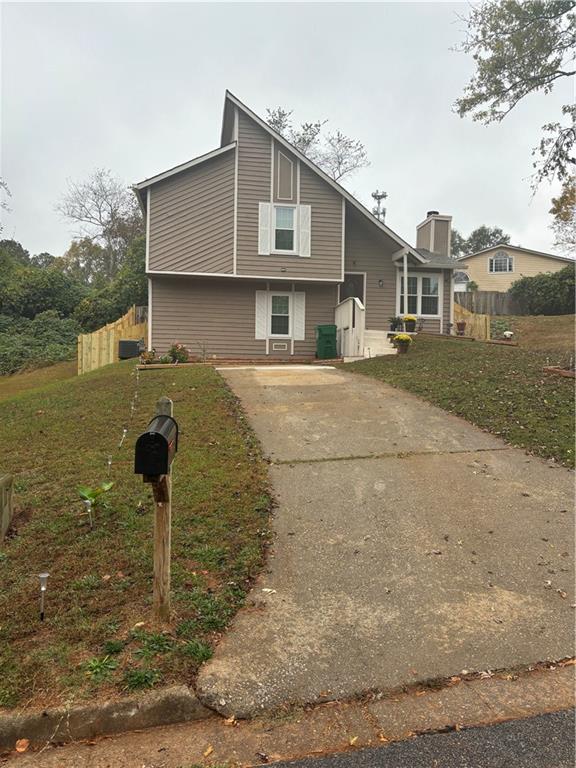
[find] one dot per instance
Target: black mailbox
(156, 447)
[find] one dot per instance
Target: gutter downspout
(405, 279)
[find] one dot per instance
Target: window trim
(510, 258)
(419, 275)
(284, 251)
(269, 315)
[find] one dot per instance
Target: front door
(353, 285)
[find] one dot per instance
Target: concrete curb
(176, 704)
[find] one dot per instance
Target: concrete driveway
(409, 546)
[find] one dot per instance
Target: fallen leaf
(569, 663)
(208, 751)
(106, 577)
(381, 737)
(230, 721)
(562, 594)
(22, 745)
(353, 740)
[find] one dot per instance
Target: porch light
(43, 583)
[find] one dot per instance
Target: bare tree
(338, 155)
(104, 212)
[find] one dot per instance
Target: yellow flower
(410, 318)
(403, 338)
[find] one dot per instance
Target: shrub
(178, 353)
(546, 294)
(26, 343)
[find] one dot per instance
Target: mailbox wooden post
(162, 491)
(155, 450)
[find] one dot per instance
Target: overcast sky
(139, 88)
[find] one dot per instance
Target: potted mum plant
(409, 323)
(402, 342)
(395, 323)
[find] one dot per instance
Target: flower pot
(460, 327)
(410, 325)
(402, 348)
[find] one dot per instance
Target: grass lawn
(541, 333)
(501, 389)
(98, 639)
(23, 382)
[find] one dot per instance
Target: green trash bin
(326, 342)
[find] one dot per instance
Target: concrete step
(377, 343)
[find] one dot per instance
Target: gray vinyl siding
(192, 219)
(221, 314)
(321, 301)
(254, 169)
(255, 186)
(441, 237)
(368, 251)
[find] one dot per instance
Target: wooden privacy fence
(477, 326)
(489, 302)
(101, 347)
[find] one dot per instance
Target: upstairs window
(284, 228)
(501, 262)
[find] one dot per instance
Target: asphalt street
(545, 741)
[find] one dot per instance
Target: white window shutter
(299, 312)
(305, 221)
(261, 314)
(264, 214)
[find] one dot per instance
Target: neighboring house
(251, 246)
(496, 268)
(461, 280)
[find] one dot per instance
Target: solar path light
(43, 582)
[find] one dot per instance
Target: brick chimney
(435, 233)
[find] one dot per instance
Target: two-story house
(498, 267)
(251, 246)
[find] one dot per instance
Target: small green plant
(197, 650)
(111, 647)
(178, 353)
(100, 669)
(149, 357)
(152, 645)
(136, 679)
(94, 495)
(86, 583)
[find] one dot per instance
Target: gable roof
(505, 246)
(334, 184)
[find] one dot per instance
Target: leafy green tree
(521, 47)
(546, 294)
(129, 287)
(131, 284)
(85, 261)
(479, 239)
(29, 291)
(564, 214)
(337, 154)
(12, 253)
(43, 259)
